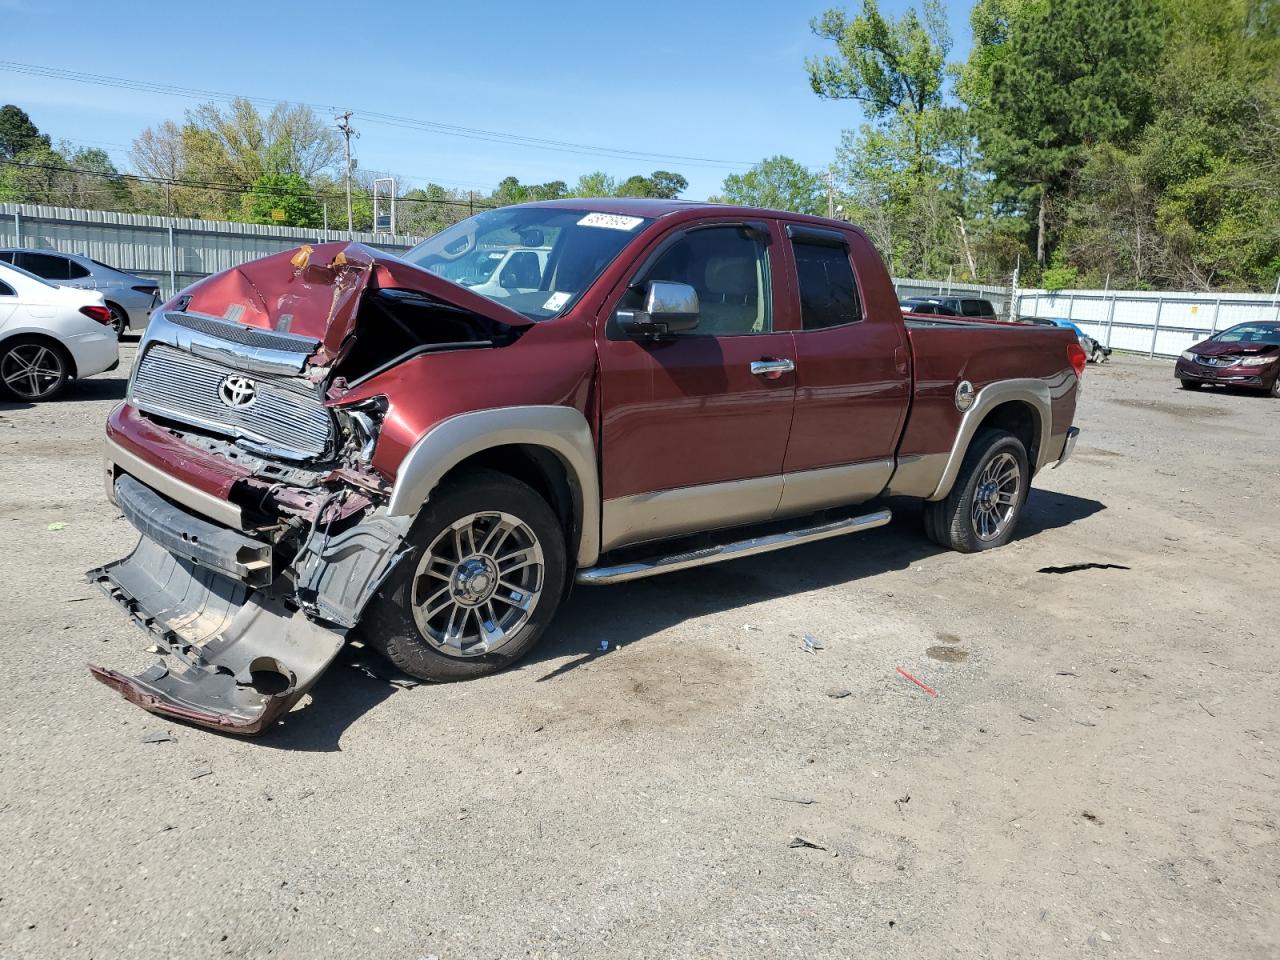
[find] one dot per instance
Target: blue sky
(722, 81)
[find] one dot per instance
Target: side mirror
(668, 308)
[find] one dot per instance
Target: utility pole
(344, 125)
(831, 196)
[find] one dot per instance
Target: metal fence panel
(999, 296)
(1155, 323)
(173, 250)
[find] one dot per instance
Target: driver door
(694, 425)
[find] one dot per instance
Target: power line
(371, 116)
(221, 187)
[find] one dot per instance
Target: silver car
(130, 299)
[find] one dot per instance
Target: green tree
(283, 199)
(894, 68)
(778, 183)
(597, 184)
(905, 174)
(1069, 74)
(662, 184)
(18, 134)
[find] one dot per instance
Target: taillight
(1076, 357)
(101, 314)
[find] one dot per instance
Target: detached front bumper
(237, 658)
(245, 630)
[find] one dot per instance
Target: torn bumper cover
(242, 647)
(239, 658)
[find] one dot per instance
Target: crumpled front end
(247, 456)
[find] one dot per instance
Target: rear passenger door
(852, 371)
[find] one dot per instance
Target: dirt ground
(1096, 776)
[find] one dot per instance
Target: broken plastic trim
(238, 658)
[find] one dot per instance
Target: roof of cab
(655, 207)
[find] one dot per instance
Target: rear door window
(6, 290)
(828, 290)
(45, 265)
(75, 271)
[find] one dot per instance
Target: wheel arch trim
(561, 430)
(1037, 394)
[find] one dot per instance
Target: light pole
(344, 125)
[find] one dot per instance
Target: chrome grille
(245, 336)
(286, 420)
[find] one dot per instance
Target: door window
(6, 290)
(75, 271)
(729, 268)
(45, 265)
(828, 291)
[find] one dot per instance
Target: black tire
(951, 522)
(390, 624)
(54, 358)
(1275, 387)
(119, 320)
(1189, 385)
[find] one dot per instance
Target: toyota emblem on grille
(237, 392)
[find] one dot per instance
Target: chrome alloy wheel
(995, 496)
(31, 370)
(477, 584)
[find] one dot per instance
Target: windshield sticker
(556, 301)
(610, 221)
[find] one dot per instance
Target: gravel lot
(1097, 775)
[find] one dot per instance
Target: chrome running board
(731, 551)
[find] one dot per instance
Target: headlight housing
(1258, 361)
(360, 424)
(1188, 355)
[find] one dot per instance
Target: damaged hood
(315, 291)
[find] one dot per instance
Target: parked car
(50, 335)
(130, 299)
(970, 307)
(1246, 355)
(373, 447)
(1094, 350)
(500, 271)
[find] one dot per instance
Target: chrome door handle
(772, 368)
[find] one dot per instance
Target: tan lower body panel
(671, 513)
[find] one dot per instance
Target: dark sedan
(1246, 355)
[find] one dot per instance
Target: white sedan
(50, 335)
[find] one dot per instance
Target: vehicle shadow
(95, 388)
(630, 612)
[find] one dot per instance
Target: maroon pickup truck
(428, 451)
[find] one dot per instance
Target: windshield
(1251, 333)
(534, 260)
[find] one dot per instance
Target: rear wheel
(33, 369)
(482, 584)
(119, 320)
(984, 504)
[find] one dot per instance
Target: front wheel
(483, 581)
(1189, 385)
(984, 504)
